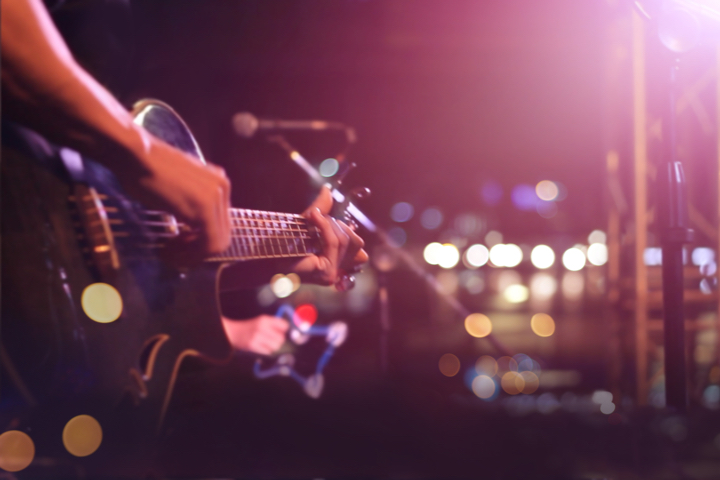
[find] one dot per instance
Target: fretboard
(257, 234)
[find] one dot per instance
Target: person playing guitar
(49, 100)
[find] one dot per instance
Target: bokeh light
(546, 209)
(492, 238)
(531, 382)
(102, 302)
(281, 285)
(597, 236)
(397, 237)
(448, 282)
(573, 285)
(542, 324)
(491, 192)
(484, 387)
(468, 224)
(573, 259)
(597, 254)
(652, 256)
(82, 435)
(478, 325)
(516, 293)
(449, 256)
(506, 255)
(17, 451)
(506, 364)
(432, 253)
(512, 382)
(607, 408)
(402, 212)
(524, 197)
(329, 167)
(702, 256)
(486, 365)
(472, 281)
(449, 365)
(476, 256)
(305, 316)
(542, 286)
(431, 218)
(547, 190)
(295, 279)
(542, 256)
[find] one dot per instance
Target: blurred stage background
(479, 123)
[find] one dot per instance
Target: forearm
(45, 89)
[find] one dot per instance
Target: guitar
(71, 226)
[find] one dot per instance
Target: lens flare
(478, 325)
(449, 365)
(542, 257)
(573, 259)
(542, 324)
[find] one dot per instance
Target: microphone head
(245, 124)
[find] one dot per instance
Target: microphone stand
(357, 215)
(673, 223)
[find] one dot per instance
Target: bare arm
(45, 89)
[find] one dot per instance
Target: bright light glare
(432, 253)
(402, 212)
(449, 256)
(597, 254)
(573, 259)
(516, 293)
(329, 167)
(502, 255)
(281, 286)
(652, 256)
(477, 255)
(702, 256)
(547, 190)
(542, 324)
(478, 325)
(483, 386)
(597, 236)
(542, 256)
(449, 365)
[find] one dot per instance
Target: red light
(305, 315)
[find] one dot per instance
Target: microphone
(246, 124)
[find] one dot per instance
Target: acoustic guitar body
(57, 361)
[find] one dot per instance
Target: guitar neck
(256, 235)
